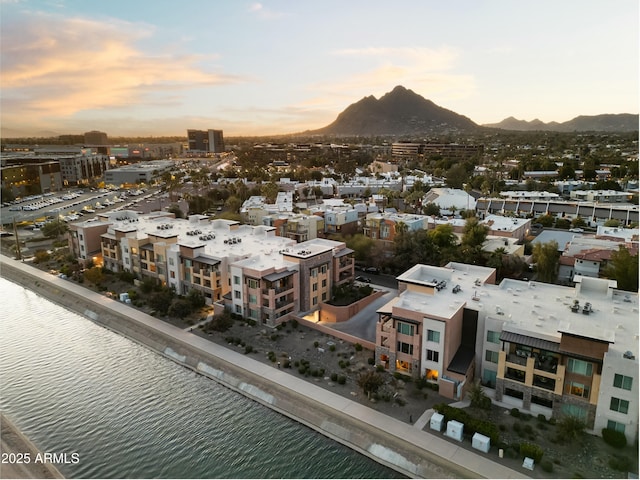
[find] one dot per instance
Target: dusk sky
(159, 67)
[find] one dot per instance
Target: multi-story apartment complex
(248, 268)
(384, 226)
(31, 178)
(591, 212)
(205, 141)
(84, 168)
(563, 350)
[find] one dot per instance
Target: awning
(207, 260)
(272, 277)
(462, 360)
(529, 341)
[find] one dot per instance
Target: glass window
(580, 367)
(405, 328)
(253, 283)
(324, 283)
(578, 389)
(493, 337)
(236, 294)
(619, 405)
(622, 381)
(314, 272)
(315, 300)
(433, 355)
(433, 336)
(315, 287)
(236, 280)
(617, 426)
(171, 261)
(574, 411)
(491, 356)
(405, 348)
(253, 299)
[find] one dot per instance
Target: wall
(336, 314)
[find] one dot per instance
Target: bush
(622, 463)
(371, 361)
(332, 348)
(379, 368)
(515, 412)
(614, 438)
(542, 418)
(358, 347)
(471, 424)
(342, 379)
(180, 308)
(316, 344)
(248, 349)
(334, 377)
(531, 450)
(547, 466)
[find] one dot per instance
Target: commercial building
(83, 169)
(205, 141)
(31, 178)
(137, 173)
(556, 350)
(94, 137)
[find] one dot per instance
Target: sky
(159, 67)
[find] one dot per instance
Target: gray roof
(561, 236)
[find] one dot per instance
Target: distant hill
(621, 122)
(399, 112)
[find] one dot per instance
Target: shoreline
(16, 442)
(407, 450)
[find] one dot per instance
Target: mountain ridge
(606, 122)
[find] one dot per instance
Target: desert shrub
(371, 361)
(531, 450)
(274, 337)
(542, 418)
(614, 438)
(622, 463)
(180, 308)
(400, 401)
(302, 369)
(421, 383)
(332, 348)
(528, 429)
(126, 276)
(342, 379)
(294, 323)
(547, 466)
(569, 428)
(316, 344)
(248, 349)
(380, 368)
(358, 347)
(401, 376)
(478, 398)
(515, 412)
(334, 377)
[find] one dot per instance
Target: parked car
(374, 270)
(362, 279)
(576, 230)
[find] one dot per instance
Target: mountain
(399, 112)
(621, 122)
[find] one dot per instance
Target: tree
(545, 256)
(473, 237)
(269, 191)
(361, 245)
(370, 381)
(456, 176)
(94, 275)
(175, 209)
(54, 229)
(161, 301)
(578, 222)
(612, 222)
(545, 220)
(623, 267)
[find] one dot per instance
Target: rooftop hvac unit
(629, 354)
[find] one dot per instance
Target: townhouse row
(248, 268)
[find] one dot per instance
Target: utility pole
(15, 232)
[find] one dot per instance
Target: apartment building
(383, 226)
(593, 213)
(429, 330)
(558, 350)
(84, 168)
(602, 196)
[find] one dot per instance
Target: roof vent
(629, 354)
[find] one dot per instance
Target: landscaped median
(408, 450)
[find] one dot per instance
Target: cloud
(265, 13)
(57, 66)
(430, 72)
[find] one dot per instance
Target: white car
(576, 230)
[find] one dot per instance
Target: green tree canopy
(623, 267)
(546, 255)
(54, 229)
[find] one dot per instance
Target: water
(73, 386)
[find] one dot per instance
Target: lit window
(578, 389)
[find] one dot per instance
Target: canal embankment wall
(410, 451)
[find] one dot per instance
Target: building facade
(205, 141)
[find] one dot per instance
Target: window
(315, 287)
(172, 274)
(578, 389)
(433, 336)
(324, 283)
(433, 355)
(236, 294)
(236, 280)
(253, 283)
(324, 296)
(323, 269)
(617, 426)
(580, 367)
(405, 348)
(314, 272)
(574, 411)
(238, 309)
(493, 337)
(618, 405)
(253, 299)
(315, 300)
(405, 328)
(491, 356)
(253, 313)
(171, 261)
(622, 381)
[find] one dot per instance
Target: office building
(205, 141)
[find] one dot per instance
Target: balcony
(517, 358)
(544, 382)
(514, 374)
